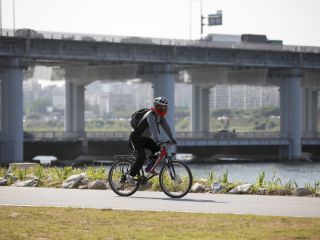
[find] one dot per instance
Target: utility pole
(0, 17)
(213, 19)
(201, 18)
(13, 15)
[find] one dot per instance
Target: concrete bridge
(266, 145)
(82, 59)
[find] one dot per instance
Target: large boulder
(241, 189)
(27, 183)
(97, 184)
(197, 187)
(3, 182)
(217, 187)
(10, 175)
(302, 192)
(84, 181)
(73, 181)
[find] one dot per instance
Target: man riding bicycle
(146, 134)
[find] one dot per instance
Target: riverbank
(95, 178)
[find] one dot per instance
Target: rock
(302, 192)
(208, 189)
(3, 182)
(73, 181)
(10, 176)
(83, 187)
(31, 176)
(27, 183)
(216, 187)
(244, 188)
(98, 184)
(197, 187)
(262, 191)
(85, 181)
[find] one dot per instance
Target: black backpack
(137, 116)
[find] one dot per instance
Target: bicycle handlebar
(166, 143)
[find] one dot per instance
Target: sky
(296, 22)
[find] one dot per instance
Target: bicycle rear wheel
(175, 179)
(117, 178)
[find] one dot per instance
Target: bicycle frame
(163, 154)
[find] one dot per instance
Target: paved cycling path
(158, 201)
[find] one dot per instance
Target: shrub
(224, 178)
(212, 177)
(3, 172)
(261, 179)
(313, 188)
(96, 173)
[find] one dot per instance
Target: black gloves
(174, 141)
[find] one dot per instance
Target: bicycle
(175, 178)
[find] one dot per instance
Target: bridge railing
(230, 135)
(55, 135)
(159, 41)
(123, 135)
(311, 135)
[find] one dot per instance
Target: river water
(301, 173)
(248, 171)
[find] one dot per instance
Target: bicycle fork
(171, 170)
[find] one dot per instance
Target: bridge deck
(184, 138)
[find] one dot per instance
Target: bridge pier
(11, 138)
(291, 113)
(310, 110)
(163, 80)
(74, 108)
(200, 113)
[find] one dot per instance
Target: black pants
(140, 143)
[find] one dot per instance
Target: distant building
(111, 102)
(243, 96)
(31, 90)
(183, 96)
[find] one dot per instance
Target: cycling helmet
(160, 106)
(163, 101)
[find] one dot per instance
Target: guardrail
(55, 135)
(159, 41)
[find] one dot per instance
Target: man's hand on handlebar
(173, 141)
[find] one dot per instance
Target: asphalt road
(158, 201)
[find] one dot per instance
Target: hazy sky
(296, 22)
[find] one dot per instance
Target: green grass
(72, 223)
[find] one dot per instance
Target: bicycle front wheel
(117, 178)
(175, 179)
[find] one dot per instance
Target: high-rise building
(243, 96)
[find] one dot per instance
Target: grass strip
(73, 223)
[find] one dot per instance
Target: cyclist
(146, 134)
